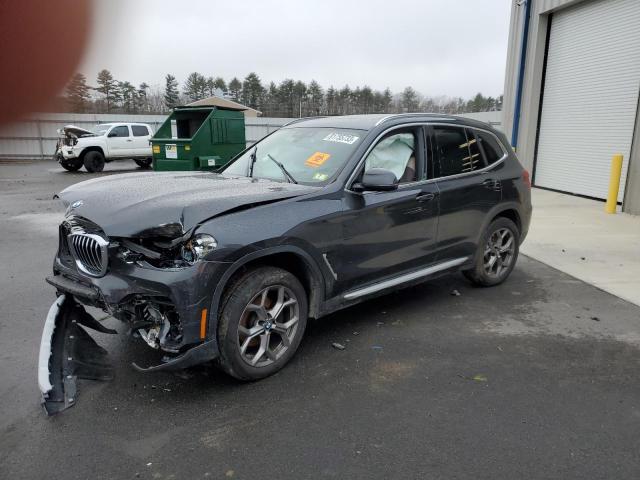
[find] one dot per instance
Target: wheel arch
(290, 258)
(510, 213)
(93, 148)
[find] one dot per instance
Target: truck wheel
(70, 164)
(263, 318)
(94, 161)
(497, 253)
(143, 162)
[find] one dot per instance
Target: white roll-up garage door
(590, 96)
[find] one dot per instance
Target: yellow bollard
(614, 184)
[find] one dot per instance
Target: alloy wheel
(499, 252)
(268, 325)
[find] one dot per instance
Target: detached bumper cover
(68, 352)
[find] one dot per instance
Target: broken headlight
(161, 254)
(197, 248)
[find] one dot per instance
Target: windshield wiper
(288, 176)
(253, 160)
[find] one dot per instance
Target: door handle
(425, 197)
(129, 140)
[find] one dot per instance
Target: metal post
(614, 183)
(39, 129)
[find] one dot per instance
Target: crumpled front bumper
(189, 290)
(68, 352)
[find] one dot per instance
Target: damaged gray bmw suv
(317, 216)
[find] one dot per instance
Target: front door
(387, 233)
(120, 142)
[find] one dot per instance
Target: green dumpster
(198, 138)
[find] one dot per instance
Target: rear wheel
(143, 162)
(94, 161)
(497, 253)
(70, 164)
(262, 322)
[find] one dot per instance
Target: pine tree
(77, 93)
(210, 86)
(252, 91)
(143, 103)
(316, 97)
(387, 98)
(108, 87)
(235, 89)
(171, 95)
(330, 100)
(220, 84)
(410, 101)
(128, 97)
(195, 87)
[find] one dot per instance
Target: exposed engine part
(158, 325)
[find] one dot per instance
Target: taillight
(526, 178)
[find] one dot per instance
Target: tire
(143, 162)
(70, 164)
(247, 323)
(496, 255)
(94, 161)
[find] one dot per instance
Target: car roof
(370, 121)
(120, 124)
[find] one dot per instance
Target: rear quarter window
(140, 131)
(490, 146)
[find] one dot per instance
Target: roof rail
(302, 119)
(417, 114)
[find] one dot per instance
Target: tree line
(289, 98)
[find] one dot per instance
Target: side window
(475, 157)
(139, 130)
(490, 146)
(396, 152)
(456, 153)
(121, 131)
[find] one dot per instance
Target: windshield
(101, 129)
(299, 155)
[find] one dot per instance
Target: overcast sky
(440, 47)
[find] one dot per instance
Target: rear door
(467, 191)
(388, 233)
(141, 138)
(120, 142)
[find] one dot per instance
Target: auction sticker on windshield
(317, 159)
(171, 151)
(341, 138)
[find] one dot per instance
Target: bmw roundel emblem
(77, 204)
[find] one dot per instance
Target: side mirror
(112, 134)
(378, 180)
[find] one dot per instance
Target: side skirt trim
(392, 282)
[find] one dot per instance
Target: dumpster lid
(222, 103)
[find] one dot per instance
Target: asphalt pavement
(536, 378)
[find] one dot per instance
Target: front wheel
(94, 161)
(143, 162)
(497, 253)
(70, 164)
(261, 324)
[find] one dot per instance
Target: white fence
(36, 136)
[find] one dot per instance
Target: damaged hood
(74, 131)
(168, 204)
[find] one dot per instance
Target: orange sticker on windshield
(317, 159)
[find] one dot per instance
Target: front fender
(318, 284)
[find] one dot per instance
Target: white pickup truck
(105, 142)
